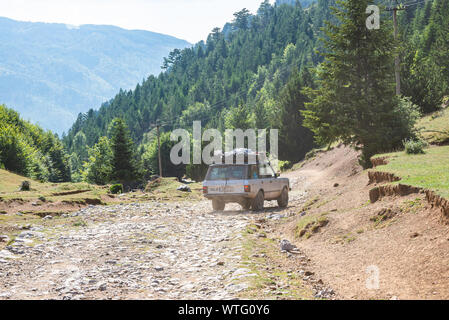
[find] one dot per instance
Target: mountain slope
(52, 72)
(304, 3)
(226, 71)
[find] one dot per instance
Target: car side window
(265, 171)
(252, 172)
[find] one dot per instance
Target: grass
(428, 171)
(412, 206)
(435, 127)
(346, 238)
(381, 221)
(84, 193)
(309, 225)
(51, 192)
(272, 278)
(310, 203)
(165, 189)
(80, 223)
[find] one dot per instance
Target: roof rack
(249, 156)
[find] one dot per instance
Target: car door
(266, 175)
(276, 183)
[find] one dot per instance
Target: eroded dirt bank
(349, 239)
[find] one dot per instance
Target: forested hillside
(51, 72)
(28, 150)
(252, 74)
(229, 80)
(304, 3)
(425, 57)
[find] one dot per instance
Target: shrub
(414, 146)
(285, 165)
(153, 185)
(116, 189)
(445, 102)
(80, 223)
(310, 154)
(25, 186)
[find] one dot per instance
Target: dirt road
(143, 251)
(155, 250)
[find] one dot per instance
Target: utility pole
(157, 125)
(159, 147)
(397, 62)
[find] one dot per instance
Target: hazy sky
(191, 20)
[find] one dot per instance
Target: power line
(402, 5)
(416, 3)
(258, 85)
(397, 63)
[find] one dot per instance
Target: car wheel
(283, 199)
(258, 201)
(218, 205)
(246, 205)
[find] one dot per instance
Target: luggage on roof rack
(236, 156)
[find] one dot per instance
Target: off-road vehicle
(247, 184)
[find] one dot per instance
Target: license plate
(225, 189)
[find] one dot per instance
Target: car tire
(218, 205)
(258, 202)
(246, 205)
(283, 199)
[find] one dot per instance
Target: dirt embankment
(392, 190)
(393, 248)
(377, 177)
(381, 161)
(439, 202)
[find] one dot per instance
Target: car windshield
(227, 173)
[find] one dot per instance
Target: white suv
(247, 184)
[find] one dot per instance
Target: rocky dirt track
(157, 250)
(142, 251)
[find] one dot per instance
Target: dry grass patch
(309, 225)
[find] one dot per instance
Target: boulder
(184, 188)
(287, 246)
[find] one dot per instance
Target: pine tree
(241, 19)
(239, 118)
(98, 169)
(356, 101)
(123, 162)
(60, 163)
(295, 140)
